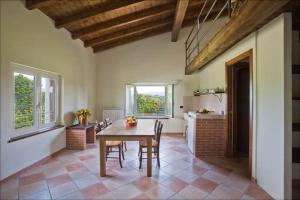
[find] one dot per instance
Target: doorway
(239, 108)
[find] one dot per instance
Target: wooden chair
(155, 130)
(156, 125)
(155, 145)
(109, 149)
(99, 127)
(107, 122)
(111, 144)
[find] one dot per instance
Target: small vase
(83, 121)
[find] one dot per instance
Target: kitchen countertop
(206, 116)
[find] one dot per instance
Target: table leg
(149, 156)
(102, 157)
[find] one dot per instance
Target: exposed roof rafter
(134, 30)
(193, 13)
(84, 15)
(179, 17)
(124, 20)
(130, 19)
(139, 35)
(33, 4)
(110, 22)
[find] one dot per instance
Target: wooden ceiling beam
(181, 8)
(139, 36)
(33, 4)
(252, 16)
(129, 19)
(124, 20)
(86, 14)
(132, 39)
(130, 31)
(192, 14)
(134, 30)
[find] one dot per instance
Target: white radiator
(113, 113)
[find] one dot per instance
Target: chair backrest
(101, 125)
(159, 130)
(155, 125)
(107, 121)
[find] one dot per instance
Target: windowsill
(152, 117)
(21, 137)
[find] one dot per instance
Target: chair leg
(139, 151)
(107, 152)
(157, 157)
(125, 146)
(123, 153)
(120, 160)
(141, 158)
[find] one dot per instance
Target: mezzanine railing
(200, 34)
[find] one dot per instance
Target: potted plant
(83, 115)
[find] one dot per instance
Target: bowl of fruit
(131, 121)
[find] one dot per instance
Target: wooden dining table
(118, 131)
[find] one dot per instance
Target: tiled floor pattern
(75, 175)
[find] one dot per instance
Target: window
(34, 99)
(47, 101)
(24, 92)
(149, 100)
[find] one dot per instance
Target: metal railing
(197, 34)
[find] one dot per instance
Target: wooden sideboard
(78, 136)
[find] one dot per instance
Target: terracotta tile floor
(75, 175)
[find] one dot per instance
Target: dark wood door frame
(228, 69)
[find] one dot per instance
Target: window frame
(166, 116)
(51, 124)
(38, 74)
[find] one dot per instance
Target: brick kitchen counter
(210, 135)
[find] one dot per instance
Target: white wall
(30, 38)
(274, 127)
(271, 105)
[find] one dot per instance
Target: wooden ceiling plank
(132, 30)
(136, 29)
(253, 15)
(84, 15)
(141, 35)
(132, 39)
(33, 4)
(124, 20)
(178, 19)
(131, 18)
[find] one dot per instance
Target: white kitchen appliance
(191, 133)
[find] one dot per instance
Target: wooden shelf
(296, 154)
(296, 126)
(296, 98)
(296, 69)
